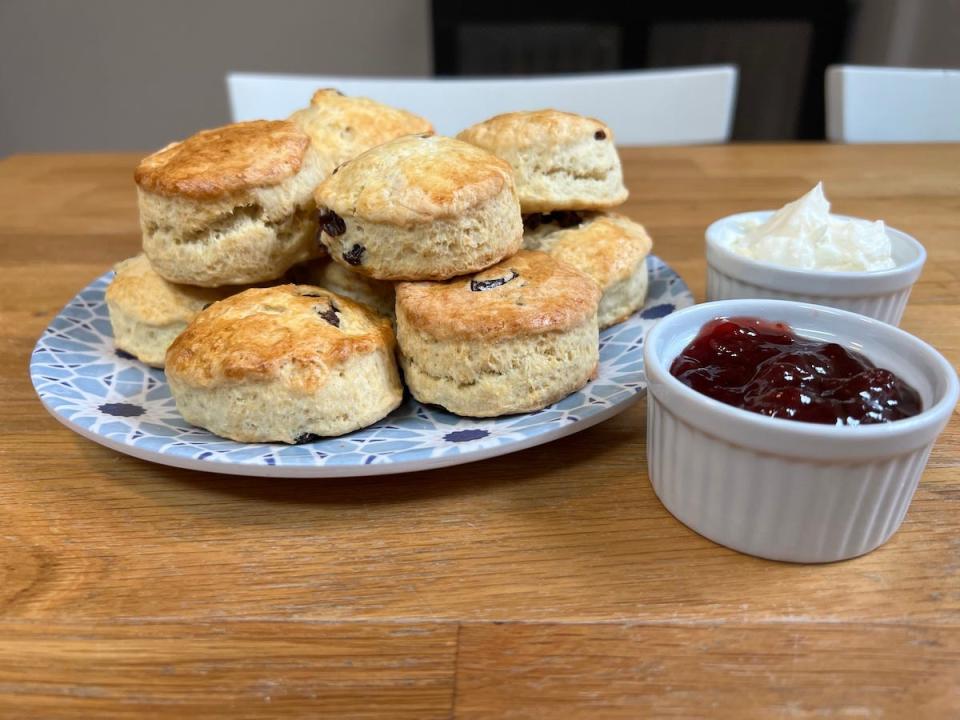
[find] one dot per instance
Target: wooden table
(549, 583)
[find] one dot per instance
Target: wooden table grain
(548, 583)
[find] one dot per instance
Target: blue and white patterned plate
(115, 400)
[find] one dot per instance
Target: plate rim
(210, 465)
(214, 463)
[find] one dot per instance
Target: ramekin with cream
(803, 252)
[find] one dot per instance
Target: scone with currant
(230, 206)
(422, 207)
(513, 338)
(562, 160)
(342, 127)
(284, 364)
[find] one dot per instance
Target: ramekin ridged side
(881, 294)
(887, 307)
(781, 489)
(774, 507)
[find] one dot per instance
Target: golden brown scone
(230, 206)
(376, 294)
(562, 161)
(343, 127)
(514, 338)
(610, 248)
(148, 312)
(225, 160)
(284, 364)
(420, 207)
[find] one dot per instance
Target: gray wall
(135, 74)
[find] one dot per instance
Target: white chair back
(664, 107)
(878, 104)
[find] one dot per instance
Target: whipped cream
(803, 234)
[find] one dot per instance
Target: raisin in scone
(376, 294)
(422, 207)
(341, 127)
(610, 248)
(561, 160)
(148, 312)
(284, 364)
(513, 338)
(232, 205)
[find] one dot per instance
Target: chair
(668, 107)
(877, 104)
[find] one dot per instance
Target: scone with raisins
(230, 206)
(561, 160)
(341, 127)
(513, 338)
(148, 312)
(284, 364)
(422, 207)
(610, 248)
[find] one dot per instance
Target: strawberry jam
(765, 368)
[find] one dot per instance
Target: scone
(287, 364)
(513, 338)
(342, 127)
(421, 207)
(376, 294)
(232, 205)
(148, 312)
(561, 160)
(612, 249)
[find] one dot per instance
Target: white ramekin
(881, 294)
(782, 489)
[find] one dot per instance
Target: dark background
(781, 48)
(93, 75)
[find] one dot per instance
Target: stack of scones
(292, 269)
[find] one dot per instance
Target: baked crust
(342, 127)
(413, 180)
(276, 333)
(225, 161)
(325, 273)
(145, 295)
(606, 246)
(513, 131)
(543, 296)
(561, 161)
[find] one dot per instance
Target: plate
(111, 398)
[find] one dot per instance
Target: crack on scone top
(269, 309)
(482, 285)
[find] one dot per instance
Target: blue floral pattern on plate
(113, 399)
